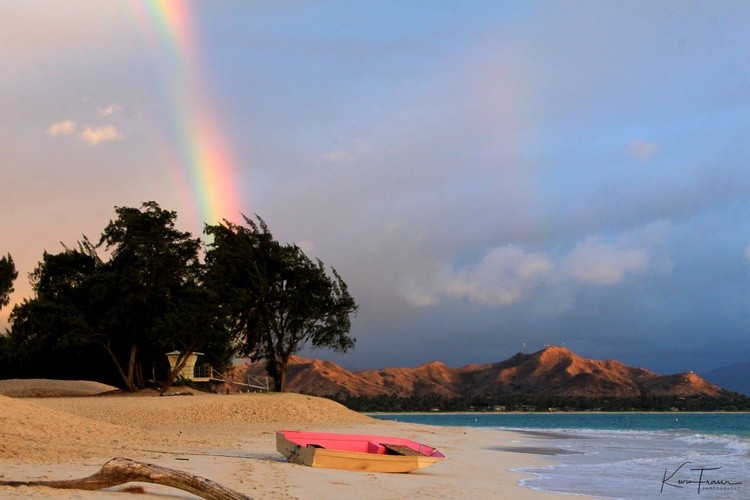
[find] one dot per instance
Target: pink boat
(359, 452)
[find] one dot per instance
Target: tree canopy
(154, 276)
(8, 275)
(275, 297)
(145, 300)
(149, 293)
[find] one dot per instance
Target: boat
(355, 452)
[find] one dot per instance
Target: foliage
(8, 275)
(55, 317)
(57, 321)
(154, 271)
(146, 299)
(182, 381)
(275, 298)
(117, 317)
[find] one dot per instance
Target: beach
(230, 439)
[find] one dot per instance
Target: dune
(43, 388)
(230, 439)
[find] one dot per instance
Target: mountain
(735, 377)
(554, 370)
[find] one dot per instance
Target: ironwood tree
(8, 275)
(146, 299)
(55, 318)
(151, 262)
(275, 298)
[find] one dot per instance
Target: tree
(274, 297)
(55, 318)
(147, 299)
(190, 324)
(152, 266)
(8, 275)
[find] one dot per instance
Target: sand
(42, 388)
(230, 439)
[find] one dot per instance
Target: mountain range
(553, 370)
(735, 377)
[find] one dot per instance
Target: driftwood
(122, 470)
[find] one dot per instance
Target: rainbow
(200, 153)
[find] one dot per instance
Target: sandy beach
(230, 439)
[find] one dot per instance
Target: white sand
(43, 388)
(230, 439)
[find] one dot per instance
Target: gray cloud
(594, 261)
(504, 276)
(509, 274)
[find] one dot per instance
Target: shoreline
(231, 440)
(557, 412)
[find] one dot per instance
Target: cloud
(504, 276)
(508, 274)
(594, 261)
(92, 135)
(65, 127)
(96, 135)
(642, 150)
(747, 253)
(110, 110)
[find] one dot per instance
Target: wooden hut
(188, 371)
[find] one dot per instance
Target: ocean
(625, 455)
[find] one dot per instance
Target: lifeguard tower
(206, 373)
(189, 371)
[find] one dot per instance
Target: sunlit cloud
(96, 135)
(110, 110)
(65, 127)
(642, 150)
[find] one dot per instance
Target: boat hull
(320, 450)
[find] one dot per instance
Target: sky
(487, 177)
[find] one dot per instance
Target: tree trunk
(280, 380)
(179, 365)
(138, 375)
(128, 383)
(131, 367)
(122, 470)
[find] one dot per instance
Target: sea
(628, 455)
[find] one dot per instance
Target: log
(122, 470)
